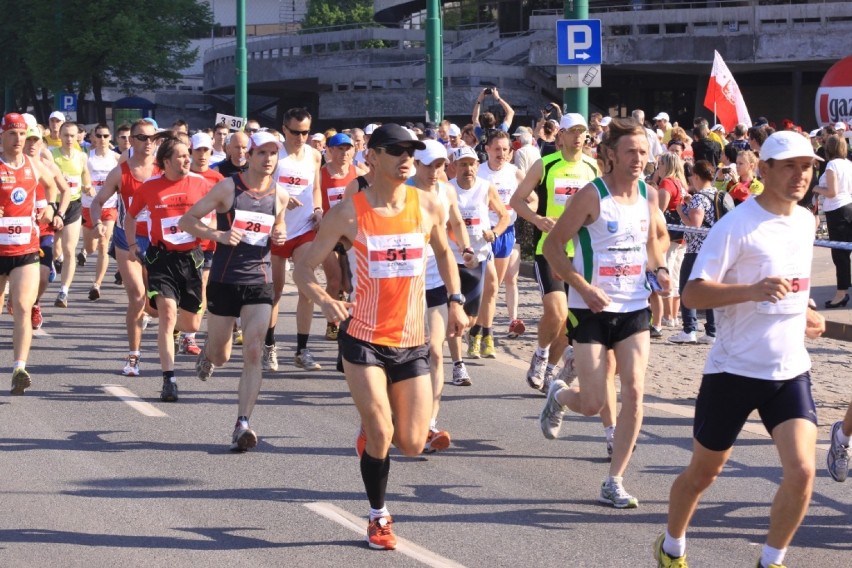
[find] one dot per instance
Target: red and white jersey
(167, 201)
(18, 230)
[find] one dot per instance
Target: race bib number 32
(395, 256)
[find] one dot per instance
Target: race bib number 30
(173, 234)
(395, 256)
(256, 227)
(15, 230)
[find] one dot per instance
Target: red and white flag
(724, 97)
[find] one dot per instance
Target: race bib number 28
(394, 256)
(256, 227)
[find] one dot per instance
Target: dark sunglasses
(298, 132)
(101, 135)
(398, 150)
(143, 137)
(253, 130)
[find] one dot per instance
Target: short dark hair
(758, 134)
(731, 152)
(298, 114)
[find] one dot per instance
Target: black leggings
(839, 223)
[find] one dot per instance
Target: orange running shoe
(360, 441)
(436, 440)
(380, 533)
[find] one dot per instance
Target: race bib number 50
(394, 256)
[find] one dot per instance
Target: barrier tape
(817, 243)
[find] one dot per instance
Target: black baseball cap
(391, 133)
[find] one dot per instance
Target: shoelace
(132, 360)
(382, 526)
(618, 491)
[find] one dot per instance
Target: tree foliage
(327, 13)
(78, 45)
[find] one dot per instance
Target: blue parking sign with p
(68, 102)
(578, 42)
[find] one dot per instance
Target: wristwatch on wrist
(457, 298)
(656, 270)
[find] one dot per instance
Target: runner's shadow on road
(214, 538)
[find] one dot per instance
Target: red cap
(13, 120)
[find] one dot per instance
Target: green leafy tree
(87, 44)
(326, 13)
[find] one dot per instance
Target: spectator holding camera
(483, 121)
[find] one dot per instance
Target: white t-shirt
(759, 339)
(842, 169)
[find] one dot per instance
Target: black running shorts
(227, 300)
(399, 363)
(608, 328)
(175, 275)
(725, 401)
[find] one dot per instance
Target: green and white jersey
(611, 252)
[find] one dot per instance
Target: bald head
(237, 148)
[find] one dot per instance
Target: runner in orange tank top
(382, 343)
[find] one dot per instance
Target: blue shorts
(119, 239)
(503, 245)
(46, 246)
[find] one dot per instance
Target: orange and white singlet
(388, 259)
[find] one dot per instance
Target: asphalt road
(89, 480)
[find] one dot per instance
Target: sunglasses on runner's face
(101, 135)
(143, 137)
(253, 130)
(398, 150)
(298, 132)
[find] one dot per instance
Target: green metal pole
(434, 63)
(577, 100)
(241, 64)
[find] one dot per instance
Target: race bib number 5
(394, 256)
(256, 227)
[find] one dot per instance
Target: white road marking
(358, 525)
(41, 333)
(134, 401)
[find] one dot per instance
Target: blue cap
(339, 139)
(152, 121)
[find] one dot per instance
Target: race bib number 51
(394, 256)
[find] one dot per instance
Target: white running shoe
(568, 372)
(684, 338)
(707, 339)
(613, 493)
(131, 369)
(270, 357)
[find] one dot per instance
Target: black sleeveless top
(245, 263)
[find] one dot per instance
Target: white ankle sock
(772, 556)
(674, 547)
(542, 351)
(376, 513)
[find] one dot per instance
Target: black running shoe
(169, 392)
